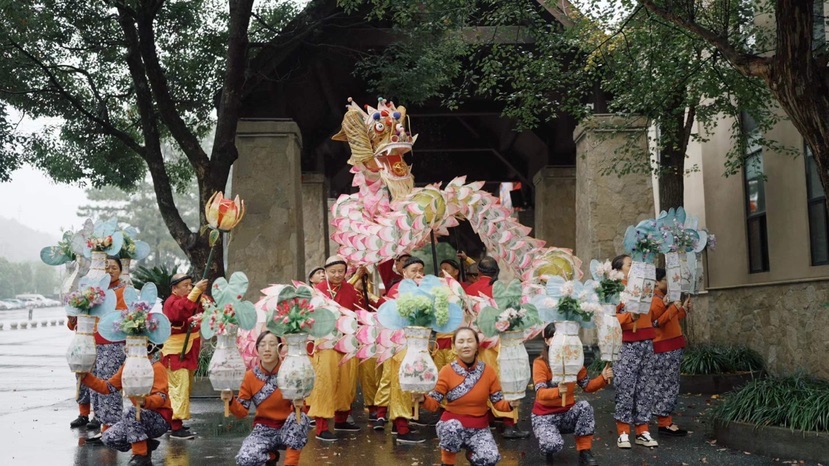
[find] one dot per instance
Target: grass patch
(798, 402)
(720, 359)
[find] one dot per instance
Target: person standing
(392, 402)
(668, 346)
(335, 387)
(109, 357)
(182, 307)
(634, 381)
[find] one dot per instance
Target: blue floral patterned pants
(127, 431)
(453, 436)
(635, 383)
(263, 440)
(108, 408)
(666, 375)
(577, 420)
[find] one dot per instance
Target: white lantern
(97, 266)
(227, 368)
(296, 374)
(640, 286)
(566, 355)
(137, 377)
(513, 365)
(418, 373)
(125, 272)
(608, 332)
(81, 352)
(673, 272)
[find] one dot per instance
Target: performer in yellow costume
(181, 308)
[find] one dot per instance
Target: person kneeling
(556, 411)
(275, 426)
(155, 414)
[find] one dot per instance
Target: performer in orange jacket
(489, 351)
(336, 384)
(634, 380)
(182, 307)
(667, 348)
(109, 357)
(464, 387)
(156, 413)
(551, 417)
(275, 426)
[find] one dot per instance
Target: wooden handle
(227, 408)
(298, 413)
(417, 410)
(606, 365)
(515, 414)
(138, 413)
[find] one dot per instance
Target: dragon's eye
(400, 128)
(379, 127)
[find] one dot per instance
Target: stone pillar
(607, 204)
(268, 245)
(555, 206)
(315, 219)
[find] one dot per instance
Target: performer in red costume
(182, 308)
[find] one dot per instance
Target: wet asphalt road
(37, 390)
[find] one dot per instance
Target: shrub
(160, 275)
(720, 359)
(799, 402)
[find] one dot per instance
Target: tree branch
(188, 141)
(105, 126)
(230, 103)
(152, 137)
(748, 64)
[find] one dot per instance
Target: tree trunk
(675, 132)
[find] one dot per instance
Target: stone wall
(787, 323)
(315, 219)
(555, 206)
(268, 244)
(607, 204)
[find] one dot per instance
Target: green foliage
(206, 353)
(160, 275)
(799, 402)
(28, 277)
(720, 359)
(517, 54)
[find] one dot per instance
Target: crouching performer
(275, 426)
(464, 387)
(556, 410)
(137, 433)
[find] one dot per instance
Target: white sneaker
(623, 441)
(646, 440)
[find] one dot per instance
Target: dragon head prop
(379, 138)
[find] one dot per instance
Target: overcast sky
(37, 202)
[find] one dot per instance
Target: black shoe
(274, 461)
(79, 421)
(513, 432)
(312, 422)
(327, 437)
(153, 444)
(182, 434)
(93, 424)
(668, 432)
(549, 459)
(411, 431)
(95, 440)
(410, 438)
(586, 459)
(346, 427)
(372, 417)
(379, 424)
(422, 422)
(140, 460)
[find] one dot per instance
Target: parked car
(15, 303)
(47, 302)
(36, 300)
(5, 305)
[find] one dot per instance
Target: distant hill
(19, 243)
